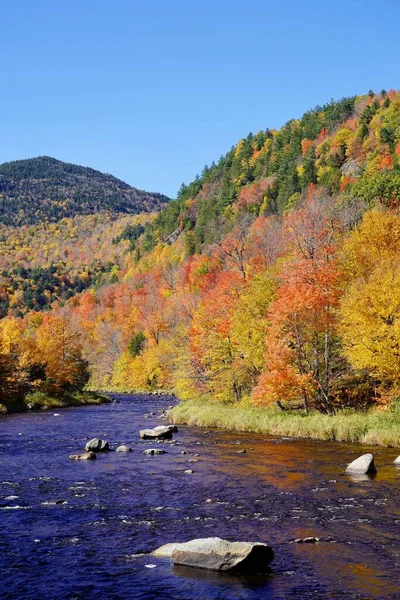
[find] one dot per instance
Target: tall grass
(380, 428)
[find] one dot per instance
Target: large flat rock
(220, 555)
(162, 432)
(362, 465)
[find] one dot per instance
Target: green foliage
(136, 344)
(131, 233)
(382, 186)
(39, 287)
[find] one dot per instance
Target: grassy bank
(41, 401)
(381, 428)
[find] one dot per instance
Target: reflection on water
(83, 529)
(224, 579)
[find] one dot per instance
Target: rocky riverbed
(74, 529)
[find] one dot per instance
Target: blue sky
(152, 91)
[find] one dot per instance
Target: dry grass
(372, 428)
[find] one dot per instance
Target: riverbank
(41, 401)
(380, 428)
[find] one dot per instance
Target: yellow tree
(370, 308)
(59, 350)
(370, 324)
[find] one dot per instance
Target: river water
(84, 529)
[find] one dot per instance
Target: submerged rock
(162, 432)
(189, 472)
(152, 451)
(124, 448)
(97, 445)
(307, 540)
(220, 555)
(85, 456)
(362, 465)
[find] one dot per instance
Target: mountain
(45, 189)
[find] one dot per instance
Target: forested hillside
(62, 230)
(274, 276)
(45, 189)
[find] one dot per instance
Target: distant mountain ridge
(46, 189)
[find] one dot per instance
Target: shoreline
(40, 401)
(374, 428)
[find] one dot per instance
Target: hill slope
(45, 189)
(350, 147)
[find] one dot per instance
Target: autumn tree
(301, 337)
(370, 309)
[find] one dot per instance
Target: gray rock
(97, 445)
(85, 456)
(152, 451)
(162, 432)
(166, 550)
(362, 465)
(397, 461)
(220, 555)
(188, 472)
(307, 540)
(124, 448)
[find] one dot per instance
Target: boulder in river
(162, 432)
(152, 451)
(124, 448)
(220, 555)
(84, 456)
(362, 465)
(397, 461)
(97, 445)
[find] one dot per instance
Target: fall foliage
(274, 277)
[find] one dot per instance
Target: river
(83, 529)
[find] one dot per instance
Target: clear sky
(152, 91)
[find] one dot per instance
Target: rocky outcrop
(162, 432)
(124, 448)
(220, 555)
(362, 465)
(85, 456)
(97, 445)
(152, 451)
